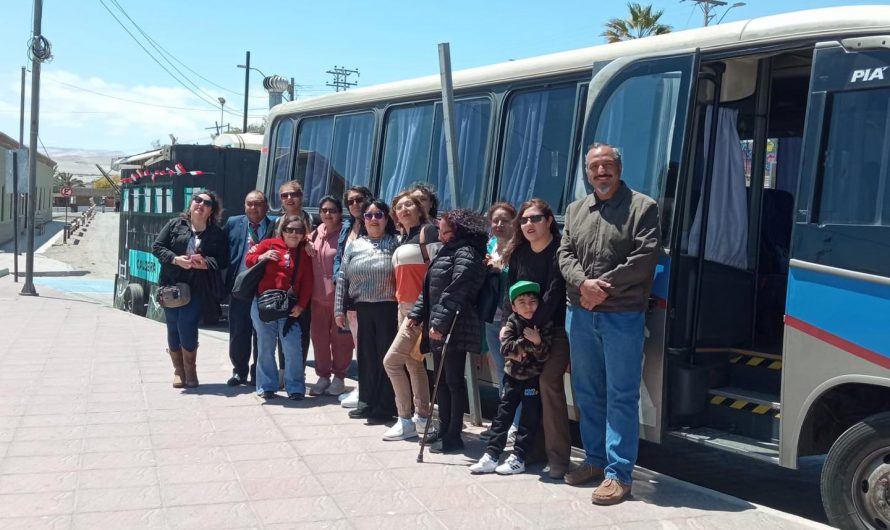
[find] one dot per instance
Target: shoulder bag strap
(423, 250)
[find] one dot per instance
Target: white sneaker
(419, 423)
(512, 466)
(338, 386)
(511, 435)
(351, 400)
(486, 464)
(402, 430)
(347, 395)
(320, 386)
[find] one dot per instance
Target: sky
(102, 91)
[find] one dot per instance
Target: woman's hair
(467, 224)
(383, 207)
(501, 206)
(288, 219)
(518, 238)
(215, 210)
(358, 189)
(331, 198)
(291, 184)
(430, 191)
(424, 219)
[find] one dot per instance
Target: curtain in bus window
(471, 123)
(788, 163)
(314, 158)
(280, 159)
(353, 135)
(728, 212)
(536, 146)
(407, 150)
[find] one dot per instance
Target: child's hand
(532, 335)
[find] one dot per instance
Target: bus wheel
(134, 299)
(855, 479)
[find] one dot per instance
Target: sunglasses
(329, 210)
(535, 219)
(294, 230)
(201, 200)
(357, 200)
(291, 194)
(373, 215)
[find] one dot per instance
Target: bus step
(756, 371)
(735, 443)
(748, 412)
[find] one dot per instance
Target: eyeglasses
(535, 219)
(356, 200)
(294, 230)
(373, 215)
(197, 199)
(288, 194)
(329, 210)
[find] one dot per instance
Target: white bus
(771, 338)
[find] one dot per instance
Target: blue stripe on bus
(854, 310)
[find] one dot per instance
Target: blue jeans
(607, 364)
(268, 334)
(494, 349)
(182, 324)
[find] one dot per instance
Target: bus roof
(777, 28)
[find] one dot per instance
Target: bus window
(279, 166)
(406, 152)
(351, 155)
(537, 145)
(314, 157)
(856, 172)
(472, 121)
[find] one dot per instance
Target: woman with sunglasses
(532, 255)
(332, 345)
(289, 268)
(191, 248)
(366, 278)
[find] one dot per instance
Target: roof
(6, 142)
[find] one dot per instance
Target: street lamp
(728, 9)
(222, 105)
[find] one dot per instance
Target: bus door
(640, 105)
(836, 379)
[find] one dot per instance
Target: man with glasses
(608, 254)
(243, 232)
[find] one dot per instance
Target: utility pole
(706, 7)
(340, 77)
(39, 51)
(246, 89)
(16, 196)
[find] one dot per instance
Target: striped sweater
(366, 273)
(407, 260)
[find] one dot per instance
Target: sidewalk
(93, 436)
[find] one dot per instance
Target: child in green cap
(525, 348)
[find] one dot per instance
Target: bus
(766, 143)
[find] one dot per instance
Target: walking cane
(426, 427)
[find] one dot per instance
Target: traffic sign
(67, 191)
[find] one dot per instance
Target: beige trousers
(407, 374)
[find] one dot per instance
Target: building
(44, 213)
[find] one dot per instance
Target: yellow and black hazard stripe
(747, 406)
(755, 360)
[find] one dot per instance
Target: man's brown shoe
(583, 473)
(610, 492)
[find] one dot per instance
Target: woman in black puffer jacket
(452, 283)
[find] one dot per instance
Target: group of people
(397, 281)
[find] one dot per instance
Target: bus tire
(855, 480)
(134, 299)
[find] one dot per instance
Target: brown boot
(191, 371)
(582, 474)
(178, 370)
(610, 492)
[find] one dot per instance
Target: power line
(129, 100)
(340, 77)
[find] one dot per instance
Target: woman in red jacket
(288, 268)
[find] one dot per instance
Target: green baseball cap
(523, 287)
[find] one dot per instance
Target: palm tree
(642, 22)
(63, 178)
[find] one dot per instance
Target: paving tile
(418, 521)
(297, 511)
(51, 420)
(190, 455)
(39, 464)
(45, 447)
(499, 517)
(454, 497)
(239, 437)
(342, 463)
(420, 475)
(117, 459)
(282, 487)
(117, 478)
(310, 432)
(63, 432)
(196, 473)
(48, 522)
(131, 519)
(203, 493)
(358, 481)
(203, 516)
(566, 514)
(116, 429)
(375, 502)
(103, 418)
(116, 443)
(404, 455)
(117, 499)
(272, 468)
(335, 446)
(37, 504)
(38, 482)
(339, 524)
(264, 451)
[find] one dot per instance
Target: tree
(102, 182)
(642, 22)
(62, 179)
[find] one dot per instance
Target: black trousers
(516, 391)
(452, 393)
(377, 327)
(242, 339)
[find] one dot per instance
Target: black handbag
(248, 280)
(276, 304)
